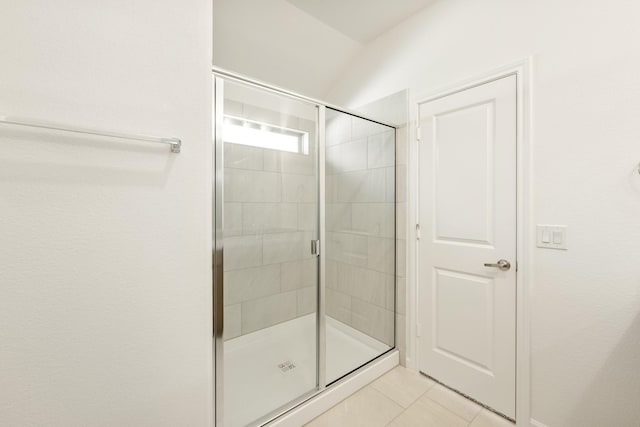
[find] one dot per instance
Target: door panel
(467, 182)
(454, 221)
(269, 152)
(462, 334)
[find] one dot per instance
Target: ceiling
(361, 20)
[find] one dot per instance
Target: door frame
(524, 228)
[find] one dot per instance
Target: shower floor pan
(267, 369)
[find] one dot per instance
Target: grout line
(477, 415)
(469, 398)
(450, 411)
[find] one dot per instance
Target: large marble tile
(242, 252)
(259, 218)
(331, 270)
(338, 130)
(381, 150)
(333, 160)
(251, 186)
(391, 292)
(264, 312)
(380, 254)
(403, 386)
(425, 412)
(353, 156)
(374, 219)
(232, 219)
(393, 184)
(308, 216)
(307, 300)
(366, 408)
(362, 186)
(338, 306)
(299, 274)
(362, 128)
(331, 188)
(282, 247)
(298, 163)
(373, 320)
(338, 217)
(299, 188)
(346, 247)
(251, 283)
(240, 156)
(454, 402)
(363, 283)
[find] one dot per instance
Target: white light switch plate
(551, 236)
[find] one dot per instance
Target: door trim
(524, 229)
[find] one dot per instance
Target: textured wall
(105, 261)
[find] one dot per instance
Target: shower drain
(286, 366)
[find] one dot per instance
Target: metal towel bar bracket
(175, 143)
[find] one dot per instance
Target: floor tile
(426, 413)
(489, 419)
(454, 402)
(403, 386)
(366, 408)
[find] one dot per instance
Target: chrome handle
(315, 247)
(502, 265)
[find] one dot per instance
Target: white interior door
(467, 216)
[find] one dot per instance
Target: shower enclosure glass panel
(270, 275)
(304, 248)
(360, 241)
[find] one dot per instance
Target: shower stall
(304, 248)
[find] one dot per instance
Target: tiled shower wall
(360, 215)
(270, 219)
(395, 109)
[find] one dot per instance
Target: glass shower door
(360, 242)
(266, 146)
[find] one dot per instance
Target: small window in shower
(263, 135)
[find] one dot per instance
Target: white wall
(274, 41)
(586, 88)
(105, 300)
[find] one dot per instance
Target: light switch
(551, 236)
(557, 237)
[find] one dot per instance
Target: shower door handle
(315, 247)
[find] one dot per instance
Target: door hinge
(418, 330)
(315, 247)
(418, 134)
(417, 231)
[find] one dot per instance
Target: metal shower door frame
(220, 77)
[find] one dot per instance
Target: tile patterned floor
(402, 398)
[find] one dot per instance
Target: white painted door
(467, 216)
